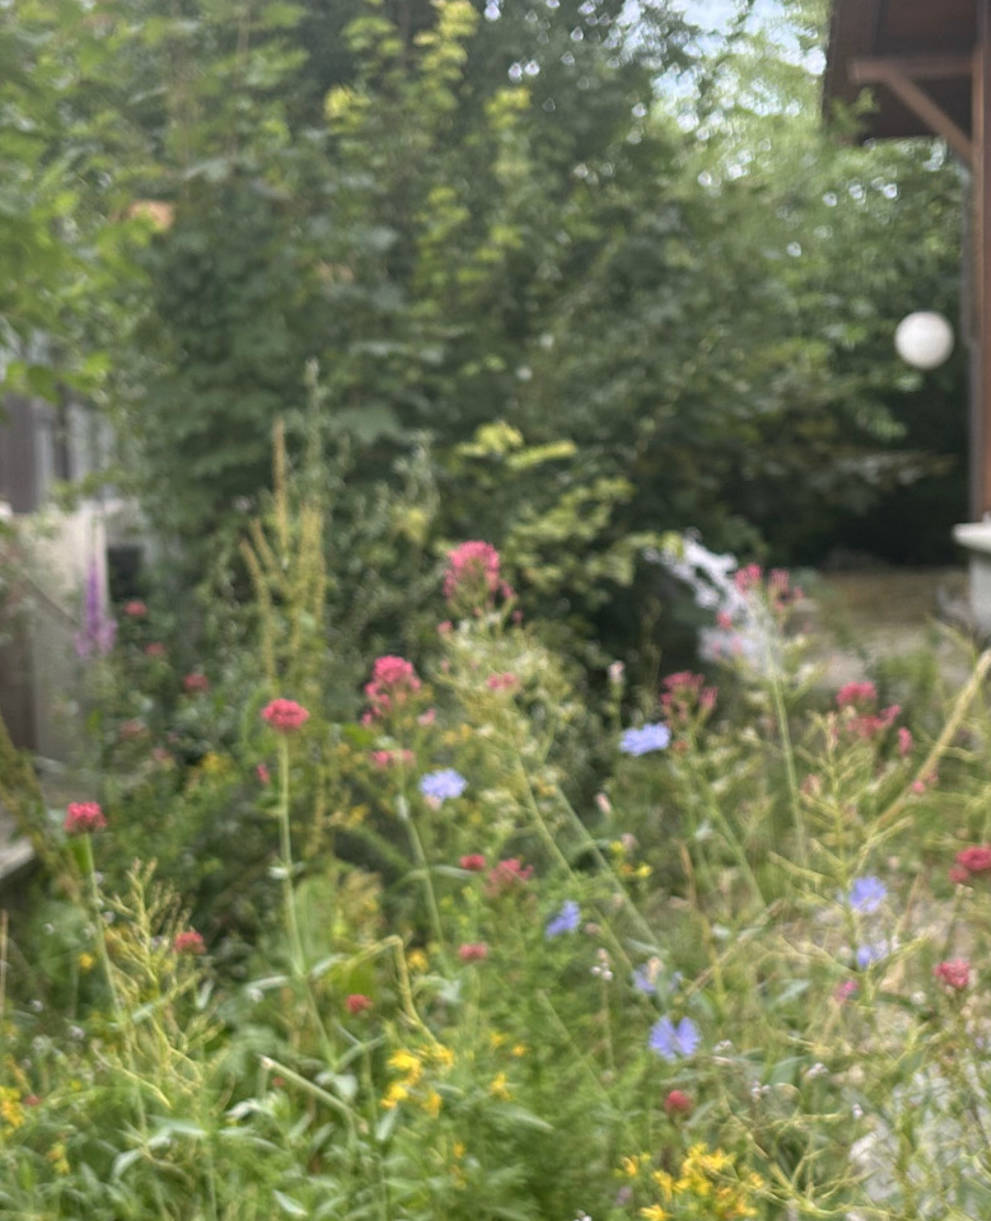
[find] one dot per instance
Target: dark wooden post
(981, 419)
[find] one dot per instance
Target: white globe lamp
(924, 340)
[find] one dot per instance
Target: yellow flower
(442, 1055)
(654, 1212)
(458, 1149)
(499, 1087)
(86, 961)
(519, 1049)
(631, 1166)
(56, 1155)
(665, 1182)
(11, 1111)
(496, 1038)
(396, 1093)
(416, 960)
(431, 1104)
(407, 1062)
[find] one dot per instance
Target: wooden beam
(888, 72)
(942, 67)
(981, 440)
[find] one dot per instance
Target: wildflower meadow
(502, 943)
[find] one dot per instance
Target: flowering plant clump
(444, 937)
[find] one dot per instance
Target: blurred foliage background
(570, 274)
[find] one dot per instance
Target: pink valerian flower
(472, 576)
(83, 817)
(357, 1003)
(135, 609)
(285, 716)
(955, 973)
(869, 726)
(155, 649)
(856, 694)
(685, 694)
(724, 620)
(195, 683)
(129, 730)
(393, 681)
(189, 942)
(975, 859)
(476, 951)
(844, 990)
(747, 578)
(507, 875)
(905, 741)
(926, 782)
(428, 717)
(502, 682)
(395, 672)
(263, 774)
(678, 1103)
(474, 862)
(445, 628)
(391, 758)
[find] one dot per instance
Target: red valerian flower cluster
(473, 564)
(684, 693)
(474, 862)
(858, 699)
(195, 683)
(473, 952)
(357, 1003)
(678, 1103)
(285, 716)
(189, 942)
(391, 758)
(955, 973)
(975, 859)
(135, 609)
(507, 875)
(393, 681)
(82, 817)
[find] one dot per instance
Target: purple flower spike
(98, 632)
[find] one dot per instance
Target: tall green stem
(118, 1011)
(285, 851)
(424, 867)
(784, 733)
(297, 958)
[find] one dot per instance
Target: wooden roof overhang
(916, 56)
(928, 64)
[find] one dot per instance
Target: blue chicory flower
(443, 784)
(671, 1041)
(565, 921)
(644, 979)
(867, 894)
(642, 741)
(869, 954)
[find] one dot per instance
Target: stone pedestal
(975, 538)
